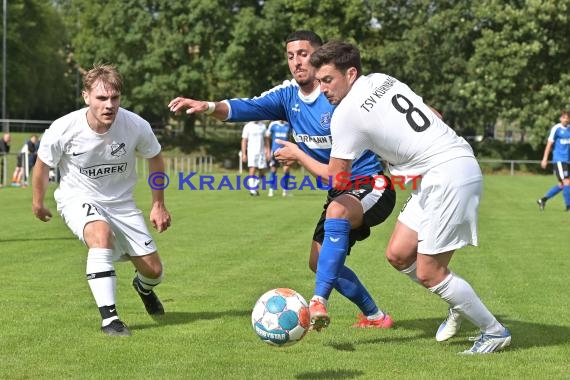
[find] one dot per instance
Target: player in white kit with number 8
(381, 114)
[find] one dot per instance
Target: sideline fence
(512, 165)
(185, 164)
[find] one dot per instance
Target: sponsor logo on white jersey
(104, 170)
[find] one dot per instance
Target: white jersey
(254, 132)
(385, 116)
(99, 166)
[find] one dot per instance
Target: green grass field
(226, 248)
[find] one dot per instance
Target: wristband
(211, 108)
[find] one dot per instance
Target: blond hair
(107, 74)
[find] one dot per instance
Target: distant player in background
(34, 145)
(377, 112)
(4, 150)
(29, 148)
(559, 143)
(277, 130)
(95, 150)
(348, 214)
(255, 153)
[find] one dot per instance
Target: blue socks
(553, 191)
(272, 180)
(350, 286)
(331, 271)
(566, 194)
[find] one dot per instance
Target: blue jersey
(278, 130)
(309, 117)
(560, 137)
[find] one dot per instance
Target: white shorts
(256, 161)
(132, 236)
(443, 210)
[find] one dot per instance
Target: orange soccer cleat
(319, 315)
(385, 322)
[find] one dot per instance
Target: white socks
(411, 272)
(147, 283)
(460, 295)
(102, 281)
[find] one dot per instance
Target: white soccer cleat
(488, 343)
(450, 327)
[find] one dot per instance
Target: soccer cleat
(488, 343)
(270, 193)
(116, 328)
(450, 326)
(385, 322)
(285, 193)
(319, 315)
(541, 204)
(151, 302)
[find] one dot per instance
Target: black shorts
(378, 200)
(561, 170)
(20, 160)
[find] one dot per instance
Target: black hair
(305, 35)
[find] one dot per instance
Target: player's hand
(287, 154)
(160, 218)
(42, 213)
(543, 164)
(178, 104)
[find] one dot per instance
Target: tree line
(482, 63)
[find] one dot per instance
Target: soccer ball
(280, 317)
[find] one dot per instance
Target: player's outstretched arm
(219, 110)
(159, 215)
(40, 181)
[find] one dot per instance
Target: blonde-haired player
(95, 150)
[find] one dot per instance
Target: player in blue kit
(277, 130)
(559, 143)
(348, 214)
